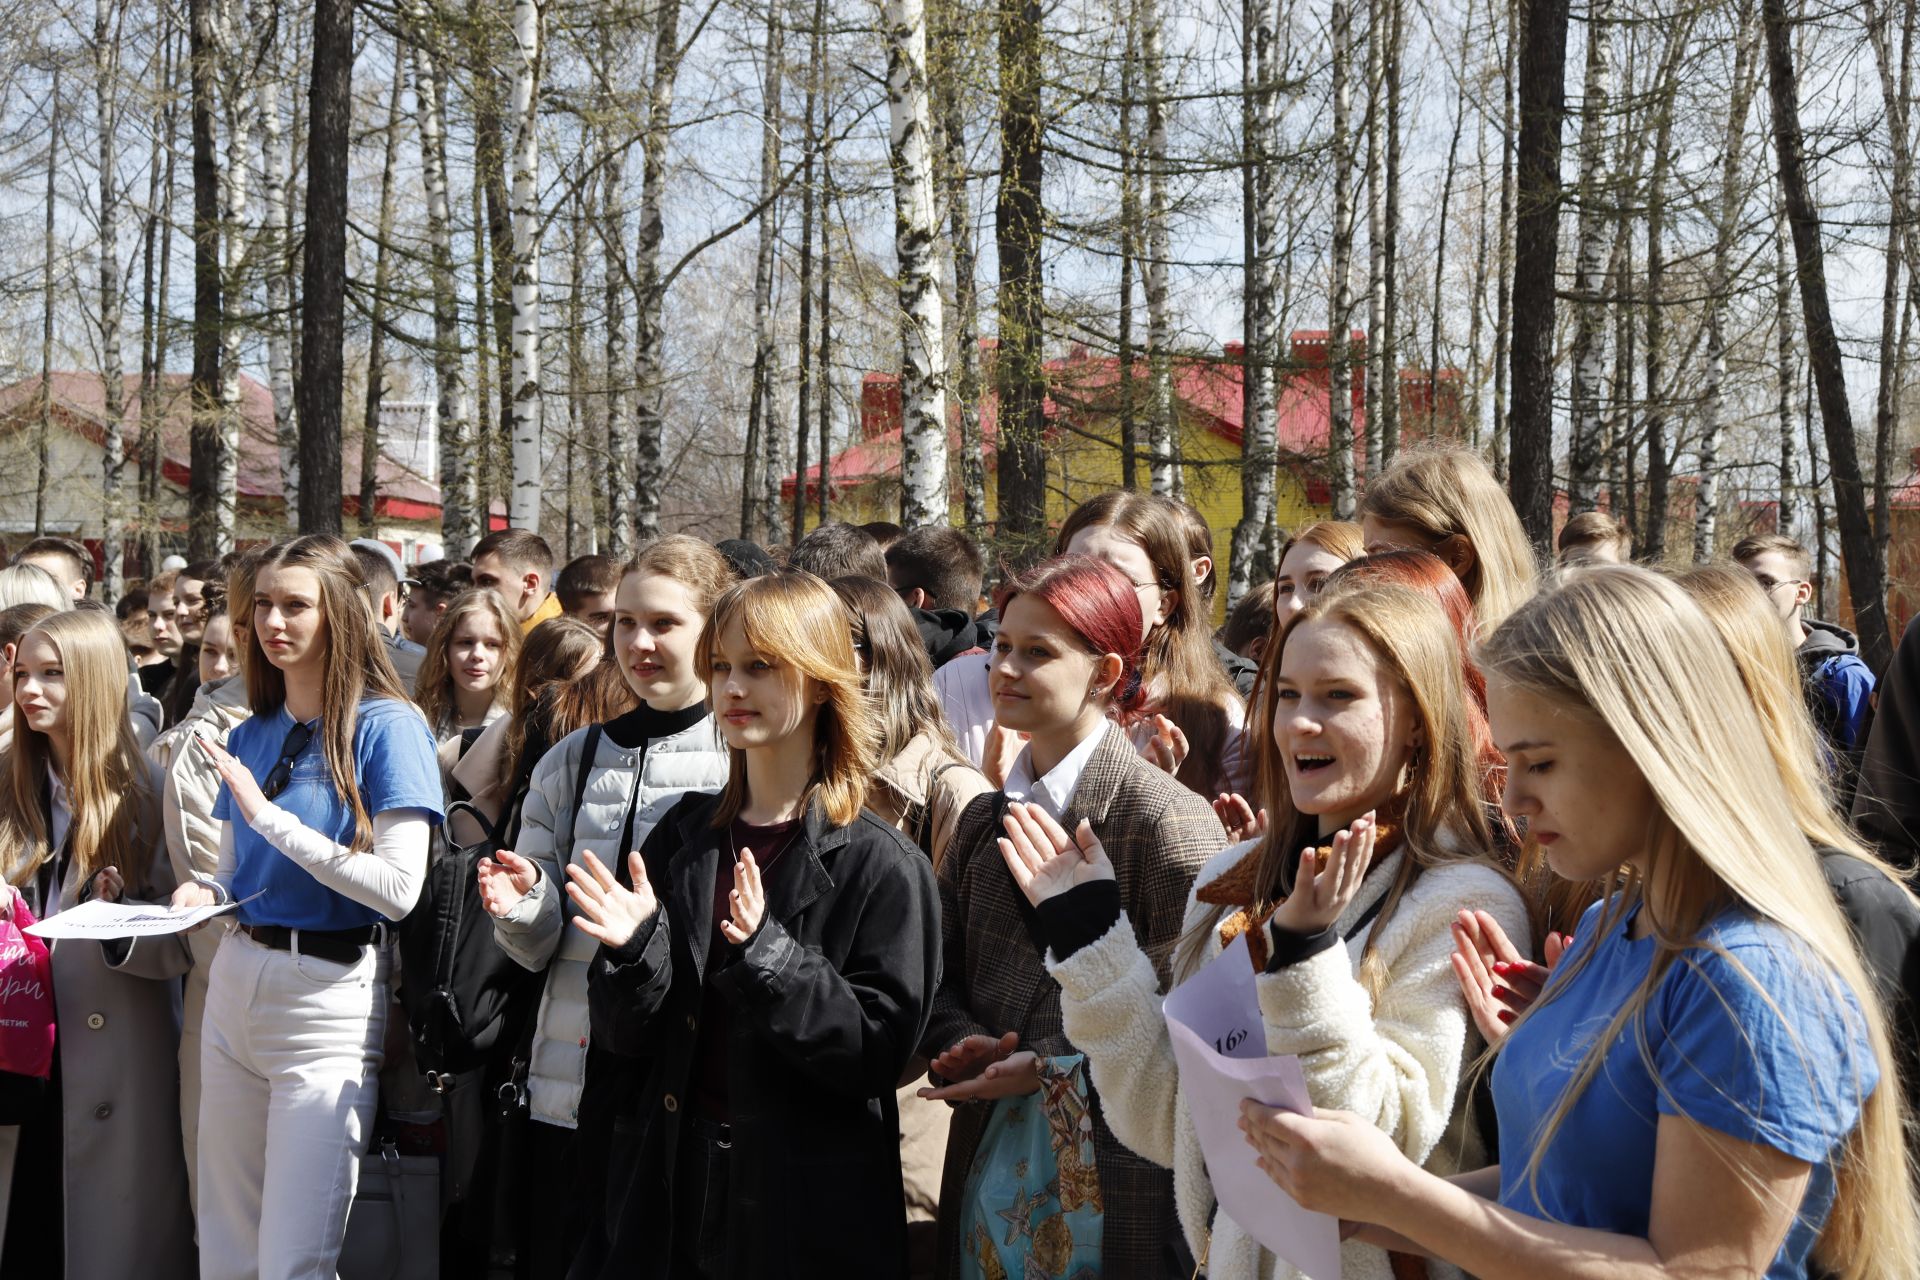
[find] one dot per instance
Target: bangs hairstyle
(1184, 679)
(899, 675)
(795, 623)
(1443, 809)
(1446, 492)
(1628, 650)
(114, 808)
(357, 666)
(560, 683)
(1101, 606)
(433, 687)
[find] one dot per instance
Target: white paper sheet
(1218, 1009)
(97, 919)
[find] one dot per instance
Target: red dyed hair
(1428, 574)
(1101, 606)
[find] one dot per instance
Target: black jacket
(827, 1002)
(1887, 926)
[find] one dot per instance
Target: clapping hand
(505, 878)
(1322, 890)
(1497, 980)
(1239, 818)
(746, 904)
(610, 913)
(1168, 746)
(1002, 748)
(1044, 859)
(108, 884)
(981, 1068)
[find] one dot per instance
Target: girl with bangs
(80, 819)
(1066, 674)
(1705, 1086)
(1379, 837)
(328, 796)
(767, 960)
(466, 674)
(598, 794)
(1191, 720)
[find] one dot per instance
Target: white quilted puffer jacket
(536, 932)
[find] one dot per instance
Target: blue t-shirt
(395, 762)
(1786, 1064)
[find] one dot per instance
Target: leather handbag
(393, 1226)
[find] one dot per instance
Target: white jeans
(289, 1079)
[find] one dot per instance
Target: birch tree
(378, 319)
(239, 106)
(650, 285)
(1339, 359)
(760, 494)
(1587, 452)
(459, 521)
(923, 366)
(1720, 283)
(961, 250)
(524, 505)
(107, 17)
(203, 495)
(1253, 553)
(275, 168)
(1161, 427)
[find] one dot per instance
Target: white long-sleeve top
(1398, 1062)
(386, 877)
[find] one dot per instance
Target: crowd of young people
(821, 915)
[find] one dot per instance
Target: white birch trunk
(1783, 385)
(761, 495)
(106, 68)
(235, 191)
(1587, 451)
(1160, 413)
(523, 508)
(619, 394)
(1379, 28)
(1339, 374)
(1713, 408)
(459, 520)
(923, 362)
(649, 287)
(279, 282)
(1252, 557)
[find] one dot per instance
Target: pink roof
(80, 401)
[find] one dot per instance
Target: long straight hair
(357, 666)
(562, 682)
(899, 675)
(797, 624)
(1183, 676)
(1443, 812)
(1444, 491)
(433, 687)
(110, 795)
(1627, 649)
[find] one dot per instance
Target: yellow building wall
(1082, 464)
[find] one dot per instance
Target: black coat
(826, 1004)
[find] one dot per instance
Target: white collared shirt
(1055, 791)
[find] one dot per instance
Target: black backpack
(467, 1001)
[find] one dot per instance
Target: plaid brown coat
(1158, 835)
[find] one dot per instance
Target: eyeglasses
(290, 748)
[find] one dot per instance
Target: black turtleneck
(643, 724)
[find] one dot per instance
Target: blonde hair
(357, 665)
(1340, 538)
(110, 794)
(1444, 818)
(1447, 491)
(795, 622)
(433, 687)
(694, 564)
(30, 584)
(1748, 626)
(1628, 649)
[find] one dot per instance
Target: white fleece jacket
(1398, 1063)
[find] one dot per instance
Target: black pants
(700, 1200)
(36, 1243)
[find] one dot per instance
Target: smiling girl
(1065, 673)
(1308, 559)
(1379, 837)
(329, 793)
(80, 819)
(767, 961)
(598, 793)
(466, 676)
(1702, 1089)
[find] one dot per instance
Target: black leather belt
(341, 946)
